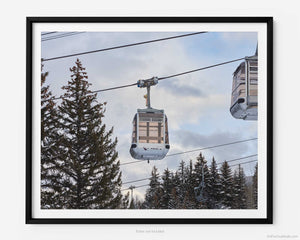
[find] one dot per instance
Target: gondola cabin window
(134, 132)
(166, 131)
(238, 83)
(245, 90)
(151, 128)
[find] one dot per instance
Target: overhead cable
(243, 163)
(200, 149)
(126, 163)
(47, 33)
(113, 88)
(135, 187)
(122, 46)
(199, 69)
(233, 160)
(220, 145)
(162, 78)
(136, 180)
(60, 36)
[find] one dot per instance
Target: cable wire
(233, 160)
(243, 163)
(126, 163)
(122, 46)
(139, 180)
(135, 187)
(199, 69)
(113, 88)
(47, 33)
(199, 149)
(220, 145)
(96, 91)
(134, 84)
(60, 36)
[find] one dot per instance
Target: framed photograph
(149, 120)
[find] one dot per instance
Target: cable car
(244, 90)
(150, 138)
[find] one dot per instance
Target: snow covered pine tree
(201, 188)
(167, 187)
(213, 186)
(154, 192)
(239, 189)
(226, 187)
(255, 189)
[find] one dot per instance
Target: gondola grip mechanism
(142, 83)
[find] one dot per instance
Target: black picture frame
(29, 120)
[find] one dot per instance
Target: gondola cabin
(244, 90)
(150, 140)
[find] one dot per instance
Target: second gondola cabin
(244, 90)
(150, 139)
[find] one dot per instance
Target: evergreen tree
(125, 201)
(183, 182)
(50, 178)
(175, 202)
(213, 186)
(191, 202)
(154, 192)
(239, 189)
(167, 187)
(87, 160)
(182, 186)
(226, 181)
(249, 192)
(201, 175)
(254, 188)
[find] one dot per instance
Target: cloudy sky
(197, 104)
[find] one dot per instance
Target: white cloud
(241, 37)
